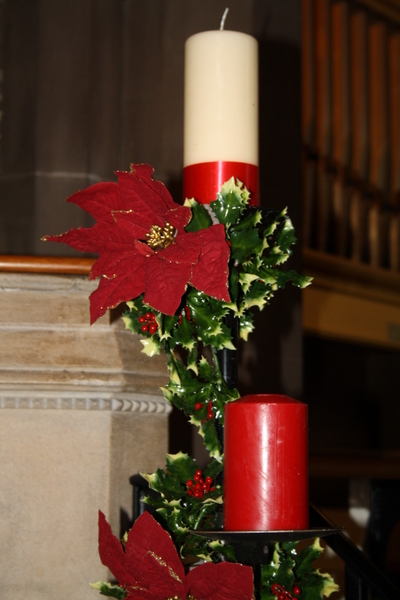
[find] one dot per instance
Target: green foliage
(260, 243)
(107, 589)
(289, 569)
(201, 218)
(183, 512)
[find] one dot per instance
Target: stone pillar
(80, 412)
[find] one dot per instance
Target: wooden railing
(363, 577)
(351, 129)
(45, 264)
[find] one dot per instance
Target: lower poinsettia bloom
(148, 567)
(143, 247)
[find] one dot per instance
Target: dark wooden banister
(45, 264)
(361, 573)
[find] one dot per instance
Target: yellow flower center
(160, 238)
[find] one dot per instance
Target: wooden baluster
(394, 140)
(341, 123)
(394, 111)
(308, 119)
(323, 122)
(359, 134)
(308, 74)
(379, 148)
(359, 96)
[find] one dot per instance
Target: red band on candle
(265, 464)
(203, 181)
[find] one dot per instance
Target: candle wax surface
(221, 98)
(266, 464)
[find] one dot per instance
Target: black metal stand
(228, 358)
(257, 543)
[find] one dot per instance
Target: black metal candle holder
(253, 548)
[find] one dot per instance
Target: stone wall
(80, 412)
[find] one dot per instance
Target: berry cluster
(283, 594)
(148, 323)
(187, 315)
(210, 414)
(200, 485)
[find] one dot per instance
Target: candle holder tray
(254, 547)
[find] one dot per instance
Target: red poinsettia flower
(143, 247)
(149, 568)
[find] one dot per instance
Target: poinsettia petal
(151, 200)
(179, 216)
(182, 215)
(185, 250)
(166, 283)
(132, 267)
(117, 252)
(113, 291)
(144, 200)
(125, 213)
(112, 554)
(161, 570)
(156, 580)
(221, 581)
(99, 200)
(133, 224)
(143, 175)
(82, 239)
(144, 249)
(210, 274)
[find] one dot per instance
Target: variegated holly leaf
(294, 574)
(181, 510)
(110, 590)
(201, 218)
(231, 201)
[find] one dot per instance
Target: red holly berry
(189, 483)
(296, 590)
(149, 323)
(198, 406)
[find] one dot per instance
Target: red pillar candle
(266, 464)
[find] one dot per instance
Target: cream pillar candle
(220, 113)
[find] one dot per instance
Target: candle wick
(221, 27)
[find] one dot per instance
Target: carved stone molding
(134, 403)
